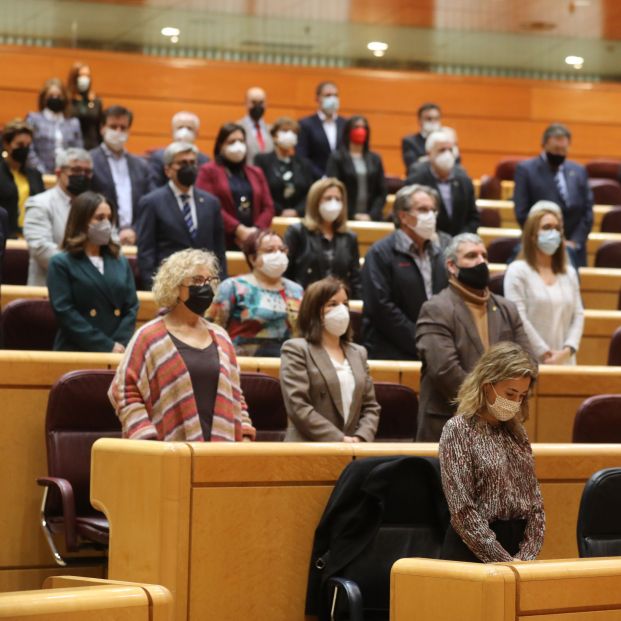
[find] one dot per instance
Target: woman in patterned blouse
(488, 473)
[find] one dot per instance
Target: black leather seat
(399, 415)
(265, 406)
(501, 249)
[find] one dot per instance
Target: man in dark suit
(4, 234)
(550, 177)
(455, 327)
(322, 132)
(458, 211)
(121, 177)
(413, 145)
(178, 215)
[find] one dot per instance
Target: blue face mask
(330, 104)
(549, 241)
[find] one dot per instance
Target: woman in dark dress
(85, 105)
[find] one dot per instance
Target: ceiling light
(575, 61)
(378, 53)
(170, 31)
(377, 46)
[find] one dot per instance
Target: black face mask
(186, 175)
(201, 297)
(555, 160)
(78, 184)
(20, 154)
(476, 277)
(55, 104)
(256, 112)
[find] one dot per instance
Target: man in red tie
(258, 138)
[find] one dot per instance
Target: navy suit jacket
(412, 149)
(313, 143)
(534, 181)
(103, 181)
(162, 231)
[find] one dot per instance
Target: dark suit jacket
(303, 178)
(341, 166)
(4, 233)
(104, 183)
(534, 181)
(412, 149)
(162, 231)
(393, 292)
(9, 197)
(93, 310)
(213, 178)
(156, 166)
(312, 394)
(449, 346)
(313, 143)
(308, 263)
(465, 217)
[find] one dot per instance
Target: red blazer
(212, 178)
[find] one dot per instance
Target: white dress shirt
(347, 382)
(329, 127)
(122, 184)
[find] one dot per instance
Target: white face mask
(83, 82)
(274, 264)
(429, 127)
(330, 104)
(425, 225)
(503, 409)
(184, 134)
(235, 152)
(336, 320)
(330, 210)
(287, 140)
(445, 160)
(114, 138)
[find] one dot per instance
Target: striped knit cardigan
(153, 397)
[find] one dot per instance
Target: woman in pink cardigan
(179, 378)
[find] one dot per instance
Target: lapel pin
(493, 308)
(200, 199)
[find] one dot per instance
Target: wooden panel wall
(494, 117)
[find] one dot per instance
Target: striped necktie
(187, 215)
(561, 186)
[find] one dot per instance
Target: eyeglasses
(200, 281)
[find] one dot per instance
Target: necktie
(260, 140)
(187, 215)
(560, 186)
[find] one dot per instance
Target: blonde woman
(321, 245)
(179, 379)
(488, 473)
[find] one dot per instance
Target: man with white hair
(47, 213)
(458, 211)
(185, 126)
(258, 137)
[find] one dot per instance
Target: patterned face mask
(503, 409)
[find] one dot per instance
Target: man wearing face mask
(455, 327)
(458, 211)
(121, 177)
(413, 145)
(322, 132)
(18, 181)
(258, 137)
(400, 273)
(551, 177)
(46, 213)
(185, 126)
(178, 216)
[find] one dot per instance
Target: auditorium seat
(78, 413)
(501, 249)
(505, 169)
(399, 415)
(605, 191)
(355, 317)
(265, 406)
(133, 263)
(15, 266)
(490, 218)
(603, 169)
(29, 324)
(608, 255)
(611, 221)
(598, 420)
(490, 188)
(599, 516)
(614, 349)
(497, 283)
(393, 183)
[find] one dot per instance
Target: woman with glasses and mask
(179, 379)
(260, 309)
(328, 393)
(545, 287)
(321, 245)
(90, 284)
(487, 467)
(242, 189)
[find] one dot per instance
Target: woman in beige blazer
(324, 377)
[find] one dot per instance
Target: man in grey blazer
(455, 327)
(46, 213)
(258, 137)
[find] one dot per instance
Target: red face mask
(358, 135)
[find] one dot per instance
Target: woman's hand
(351, 439)
(242, 233)
(118, 348)
(289, 213)
(558, 357)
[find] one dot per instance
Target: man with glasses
(400, 273)
(178, 215)
(46, 213)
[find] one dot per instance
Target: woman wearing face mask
(179, 378)
(85, 105)
(545, 287)
(52, 129)
(321, 245)
(288, 175)
(325, 380)
(242, 189)
(487, 467)
(360, 170)
(90, 284)
(260, 309)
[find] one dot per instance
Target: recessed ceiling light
(174, 39)
(170, 31)
(378, 53)
(575, 61)
(377, 46)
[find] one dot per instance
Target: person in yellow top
(18, 181)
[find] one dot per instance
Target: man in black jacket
(400, 273)
(413, 145)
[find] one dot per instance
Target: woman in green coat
(90, 284)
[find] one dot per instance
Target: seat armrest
(335, 591)
(68, 507)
